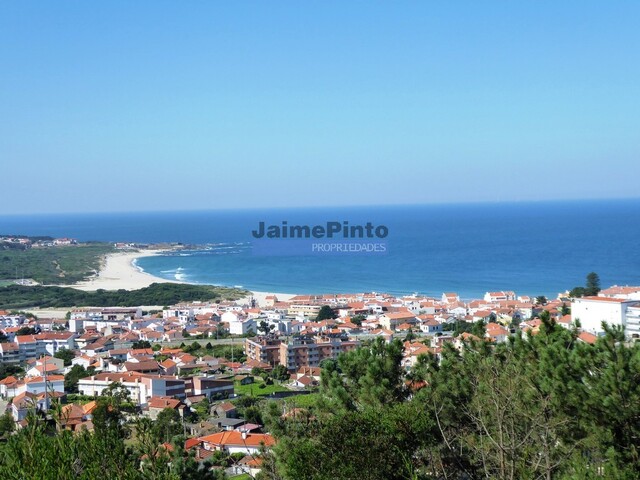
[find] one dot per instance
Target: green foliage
(325, 313)
(19, 296)
(593, 284)
(369, 375)
(280, 373)
(265, 327)
(253, 415)
(74, 375)
(141, 344)
(349, 445)
(26, 331)
(591, 288)
(66, 355)
(56, 265)
(37, 452)
(202, 409)
(546, 406)
(194, 347)
(7, 370)
(410, 336)
(32, 454)
(479, 329)
(7, 425)
(577, 292)
(167, 425)
(259, 388)
(233, 351)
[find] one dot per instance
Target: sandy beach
(118, 272)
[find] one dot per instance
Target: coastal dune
(119, 272)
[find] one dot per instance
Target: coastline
(119, 271)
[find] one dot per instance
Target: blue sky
(117, 106)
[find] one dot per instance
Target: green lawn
(244, 476)
(254, 389)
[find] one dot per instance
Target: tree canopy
(540, 406)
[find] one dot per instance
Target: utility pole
(46, 395)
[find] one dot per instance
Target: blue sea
(536, 248)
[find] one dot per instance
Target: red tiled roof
(234, 438)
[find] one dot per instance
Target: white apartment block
(592, 311)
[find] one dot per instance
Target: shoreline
(120, 271)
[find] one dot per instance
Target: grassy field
(54, 265)
(258, 388)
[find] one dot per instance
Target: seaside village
(156, 357)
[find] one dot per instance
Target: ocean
(533, 248)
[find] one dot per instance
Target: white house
(237, 442)
(238, 324)
(592, 311)
(494, 297)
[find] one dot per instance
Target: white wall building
(238, 324)
(592, 311)
(7, 321)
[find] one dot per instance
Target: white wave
(134, 264)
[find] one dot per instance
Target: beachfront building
(626, 292)
(495, 297)
(81, 319)
(592, 311)
(304, 310)
(450, 297)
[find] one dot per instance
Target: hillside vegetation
(20, 297)
(54, 265)
(544, 407)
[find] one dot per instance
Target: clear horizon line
(305, 207)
